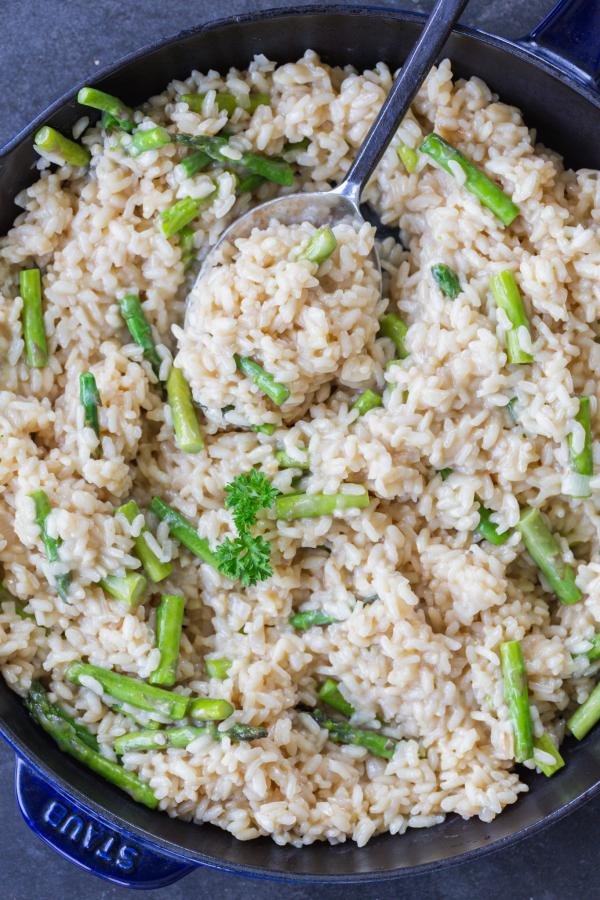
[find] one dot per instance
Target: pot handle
(569, 37)
(88, 840)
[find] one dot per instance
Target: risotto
(337, 569)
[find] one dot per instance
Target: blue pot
(553, 76)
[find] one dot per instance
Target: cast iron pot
(552, 75)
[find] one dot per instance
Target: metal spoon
(342, 203)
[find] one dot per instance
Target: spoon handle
(405, 86)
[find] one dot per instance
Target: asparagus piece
(306, 619)
(276, 391)
(186, 245)
(217, 667)
(54, 142)
(408, 157)
(39, 695)
(594, 652)
(176, 217)
(217, 147)
(392, 327)
(249, 183)
(508, 298)
(582, 461)
(546, 745)
(330, 693)
(131, 690)
(90, 400)
(150, 139)
(297, 146)
(69, 740)
(207, 709)
(184, 531)
(289, 462)
(129, 588)
(120, 114)
(304, 506)
(188, 436)
(182, 737)
(343, 733)
(256, 99)
(320, 246)
(545, 551)
(267, 428)
(585, 716)
(488, 529)
(195, 163)
(367, 401)
(7, 597)
(32, 318)
(476, 182)
(140, 330)
(169, 622)
(445, 473)
(154, 567)
(224, 102)
(516, 697)
(447, 280)
(51, 545)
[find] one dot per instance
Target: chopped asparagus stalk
(205, 709)
(217, 667)
(545, 551)
(132, 691)
(140, 330)
(290, 462)
(256, 99)
(594, 652)
(52, 141)
(90, 401)
(447, 280)
(149, 139)
(516, 696)
(367, 401)
(585, 716)
(276, 391)
(297, 146)
(184, 531)
(7, 597)
(249, 183)
(320, 247)
(582, 461)
(393, 328)
(176, 217)
(186, 245)
(32, 318)
(476, 182)
(169, 622)
(508, 298)
(51, 545)
(343, 733)
(70, 741)
(308, 618)
(217, 147)
(488, 529)
(120, 114)
(194, 163)
(267, 428)
(38, 695)
(153, 566)
(182, 737)
(188, 436)
(445, 473)
(224, 102)
(408, 157)
(129, 588)
(330, 693)
(543, 748)
(304, 506)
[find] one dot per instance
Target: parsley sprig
(247, 558)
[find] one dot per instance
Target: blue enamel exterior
(569, 38)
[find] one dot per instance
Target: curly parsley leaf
(246, 495)
(246, 559)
